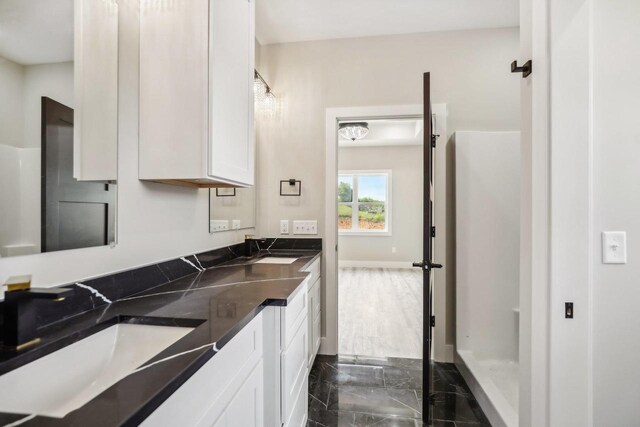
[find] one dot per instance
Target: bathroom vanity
(234, 339)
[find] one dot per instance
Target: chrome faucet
(20, 327)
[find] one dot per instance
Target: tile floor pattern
(384, 392)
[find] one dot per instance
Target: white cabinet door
(173, 89)
(95, 127)
(231, 67)
(246, 408)
(294, 369)
(196, 92)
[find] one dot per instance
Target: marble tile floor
(355, 391)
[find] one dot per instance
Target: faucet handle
(18, 283)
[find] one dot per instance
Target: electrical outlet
(393, 250)
(218, 225)
(235, 224)
(284, 226)
(305, 227)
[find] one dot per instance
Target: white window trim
(354, 211)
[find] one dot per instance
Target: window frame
(355, 205)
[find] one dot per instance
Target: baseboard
(374, 264)
(326, 348)
(446, 355)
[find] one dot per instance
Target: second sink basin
(276, 260)
(65, 380)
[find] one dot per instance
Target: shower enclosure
(487, 186)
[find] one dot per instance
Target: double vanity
(228, 342)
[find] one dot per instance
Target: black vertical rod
(426, 249)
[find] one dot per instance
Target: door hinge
(433, 231)
(433, 321)
(434, 138)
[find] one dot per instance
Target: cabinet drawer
(314, 271)
(246, 407)
(299, 414)
(316, 298)
(293, 368)
(208, 390)
(294, 313)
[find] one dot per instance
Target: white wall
(155, 222)
(9, 196)
(405, 163)
(12, 105)
(487, 243)
(595, 153)
(51, 80)
(616, 206)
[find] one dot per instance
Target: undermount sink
(276, 260)
(65, 380)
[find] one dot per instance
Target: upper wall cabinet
(196, 92)
(95, 133)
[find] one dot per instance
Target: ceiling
(388, 132)
(36, 31)
(283, 21)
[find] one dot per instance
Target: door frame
(329, 340)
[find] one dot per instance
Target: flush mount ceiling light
(353, 131)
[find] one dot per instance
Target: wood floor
(380, 312)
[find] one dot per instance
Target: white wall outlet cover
(284, 226)
(235, 224)
(614, 247)
(305, 227)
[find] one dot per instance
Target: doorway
(403, 257)
(383, 369)
(379, 218)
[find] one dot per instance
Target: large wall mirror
(232, 209)
(58, 124)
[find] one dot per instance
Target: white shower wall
(19, 201)
(487, 189)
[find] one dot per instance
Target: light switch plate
(305, 227)
(614, 247)
(284, 226)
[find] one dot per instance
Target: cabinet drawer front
(299, 414)
(295, 311)
(245, 407)
(315, 296)
(314, 271)
(206, 393)
(293, 369)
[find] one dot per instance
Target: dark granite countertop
(218, 302)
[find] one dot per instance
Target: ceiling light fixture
(353, 131)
